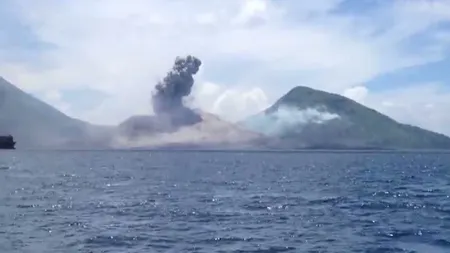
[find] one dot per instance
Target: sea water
(141, 201)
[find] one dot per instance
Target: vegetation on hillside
(356, 127)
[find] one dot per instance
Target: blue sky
(99, 60)
(435, 72)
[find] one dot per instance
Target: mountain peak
(308, 117)
(36, 124)
(303, 118)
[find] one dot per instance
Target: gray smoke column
(178, 83)
(169, 93)
(167, 101)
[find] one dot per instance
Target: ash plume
(169, 93)
(167, 101)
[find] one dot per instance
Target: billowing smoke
(286, 119)
(167, 101)
(169, 93)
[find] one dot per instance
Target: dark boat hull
(7, 142)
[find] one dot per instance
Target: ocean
(141, 201)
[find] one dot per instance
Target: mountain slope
(303, 118)
(306, 117)
(211, 132)
(35, 124)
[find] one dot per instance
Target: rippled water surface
(224, 202)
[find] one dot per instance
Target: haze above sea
(148, 201)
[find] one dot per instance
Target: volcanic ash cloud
(169, 93)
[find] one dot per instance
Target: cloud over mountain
(255, 50)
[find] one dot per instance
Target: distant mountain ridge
(35, 124)
(304, 118)
(339, 122)
(209, 133)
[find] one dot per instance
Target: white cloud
(54, 98)
(357, 93)
(232, 104)
(251, 10)
(123, 47)
(424, 105)
(235, 104)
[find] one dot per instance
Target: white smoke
(287, 118)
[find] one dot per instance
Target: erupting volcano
(176, 124)
(169, 93)
(167, 101)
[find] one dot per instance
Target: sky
(98, 60)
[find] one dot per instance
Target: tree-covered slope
(306, 117)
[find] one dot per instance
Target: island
(302, 119)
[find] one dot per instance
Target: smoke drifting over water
(169, 93)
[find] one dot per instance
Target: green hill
(309, 118)
(35, 124)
